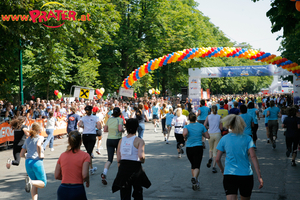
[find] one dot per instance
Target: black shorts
(195, 155)
(201, 121)
(232, 184)
(179, 139)
(155, 117)
(89, 141)
(99, 133)
(112, 147)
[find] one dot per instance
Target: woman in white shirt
(214, 126)
(50, 126)
(179, 121)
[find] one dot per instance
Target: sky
(243, 21)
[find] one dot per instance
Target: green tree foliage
(120, 36)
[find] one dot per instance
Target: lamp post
(21, 75)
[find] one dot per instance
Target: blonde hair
(235, 123)
(35, 129)
(170, 110)
(178, 112)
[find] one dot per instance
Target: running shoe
(51, 149)
(209, 163)
(167, 142)
(179, 155)
(28, 184)
(268, 141)
(98, 151)
(274, 144)
(293, 163)
(214, 170)
(198, 186)
(8, 163)
(287, 153)
(157, 124)
(92, 155)
(103, 177)
(93, 170)
(181, 150)
(194, 182)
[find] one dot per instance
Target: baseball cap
(116, 110)
(88, 108)
(95, 109)
(49, 107)
(221, 103)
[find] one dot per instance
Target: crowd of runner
(228, 122)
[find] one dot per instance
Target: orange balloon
(298, 5)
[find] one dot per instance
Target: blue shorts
(35, 170)
(266, 124)
(155, 116)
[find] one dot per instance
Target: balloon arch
(210, 52)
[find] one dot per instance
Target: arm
(221, 126)
(57, 172)
(146, 116)
(256, 166)
(206, 135)
(257, 114)
(141, 151)
(185, 132)
(268, 113)
(23, 152)
(218, 160)
(40, 148)
(199, 113)
(85, 174)
(205, 123)
(105, 128)
(98, 125)
(80, 124)
(119, 153)
(120, 127)
(26, 132)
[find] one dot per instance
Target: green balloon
(59, 95)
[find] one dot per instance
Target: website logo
(41, 16)
(211, 74)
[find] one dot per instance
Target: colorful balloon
(97, 91)
(56, 92)
(59, 95)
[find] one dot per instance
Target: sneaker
(287, 153)
(209, 163)
(179, 155)
(8, 163)
(28, 184)
(167, 142)
(293, 163)
(93, 170)
(268, 141)
(203, 144)
(214, 170)
(181, 150)
(51, 149)
(103, 177)
(98, 151)
(198, 186)
(194, 182)
(157, 124)
(155, 130)
(92, 155)
(274, 145)
(165, 139)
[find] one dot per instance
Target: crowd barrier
(7, 134)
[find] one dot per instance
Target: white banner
(296, 83)
(194, 87)
(126, 93)
(85, 93)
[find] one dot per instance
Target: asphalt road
(170, 176)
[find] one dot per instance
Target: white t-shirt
(179, 123)
(89, 123)
(126, 114)
(51, 123)
(214, 123)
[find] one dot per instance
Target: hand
(87, 184)
(261, 183)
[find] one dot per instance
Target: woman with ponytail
(72, 169)
(34, 161)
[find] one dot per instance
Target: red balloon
(98, 91)
(56, 92)
(282, 90)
